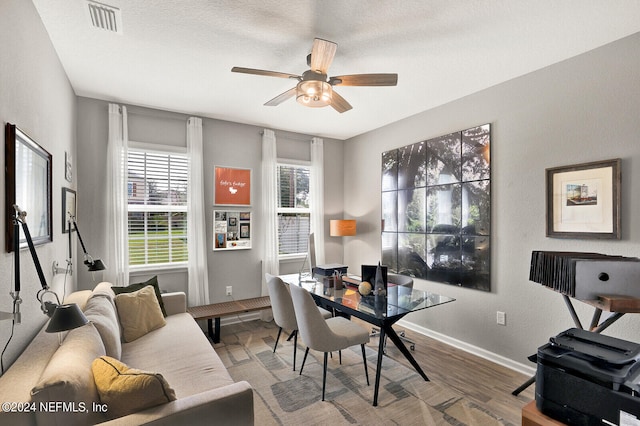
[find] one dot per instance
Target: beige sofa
(57, 383)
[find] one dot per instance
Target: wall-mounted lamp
(63, 317)
(342, 228)
(92, 264)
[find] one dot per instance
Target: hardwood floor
(484, 382)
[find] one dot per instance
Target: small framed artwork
(68, 208)
(232, 187)
(245, 230)
(68, 167)
(583, 200)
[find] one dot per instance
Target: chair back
(313, 329)
(402, 280)
(281, 304)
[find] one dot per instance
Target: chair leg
(364, 359)
(304, 359)
(324, 374)
(295, 347)
(277, 338)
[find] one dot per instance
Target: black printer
(586, 378)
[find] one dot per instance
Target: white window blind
(157, 205)
(294, 213)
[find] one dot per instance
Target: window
(294, 214)
(157, 208)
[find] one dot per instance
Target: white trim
(233, 319)
(475, 350)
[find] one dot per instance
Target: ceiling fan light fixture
(314, 93)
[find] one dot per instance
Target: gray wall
(583, 109)
(35, 95)
(226, 144)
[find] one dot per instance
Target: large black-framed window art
(436, 209)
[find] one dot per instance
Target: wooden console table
(215, 311)
(532, 417)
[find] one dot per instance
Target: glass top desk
(381, 312)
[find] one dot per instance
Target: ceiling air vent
(105, 17)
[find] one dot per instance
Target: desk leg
(378, 367)
(407, 354)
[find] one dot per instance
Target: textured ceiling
(177, 55)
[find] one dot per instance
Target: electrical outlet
(228, 290)
(501, 318)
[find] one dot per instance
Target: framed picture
(245, 230)
(68, 208)
(583, 200)
(231, 230)
(28, 185)
(232, 187)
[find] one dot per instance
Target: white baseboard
(475, 350)
(233, 319)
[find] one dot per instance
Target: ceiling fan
(314, 89)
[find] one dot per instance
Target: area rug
(283, 397)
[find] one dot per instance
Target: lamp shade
(66, 317)
(342, 228)
(96, 265)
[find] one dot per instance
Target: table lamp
(342, 228)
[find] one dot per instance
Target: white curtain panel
(316, 192)
(270, 263)
(196, 223)
(117, 259)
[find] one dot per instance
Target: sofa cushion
(126, 390)
(100, 311)
(68, 379)
(135, 287)
(194, 368)
(139, 313)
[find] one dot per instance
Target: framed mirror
(28, 185)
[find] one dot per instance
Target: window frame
(299, 164)
(151, 148)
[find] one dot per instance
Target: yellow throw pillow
(139, 313)
(127, 390)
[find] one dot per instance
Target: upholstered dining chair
(283, 313)
(402, 280)
(333, 334)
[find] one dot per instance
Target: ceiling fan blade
(282, 97)
(339, 103)
(364, 80)
(264, 72)
(322, 54)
